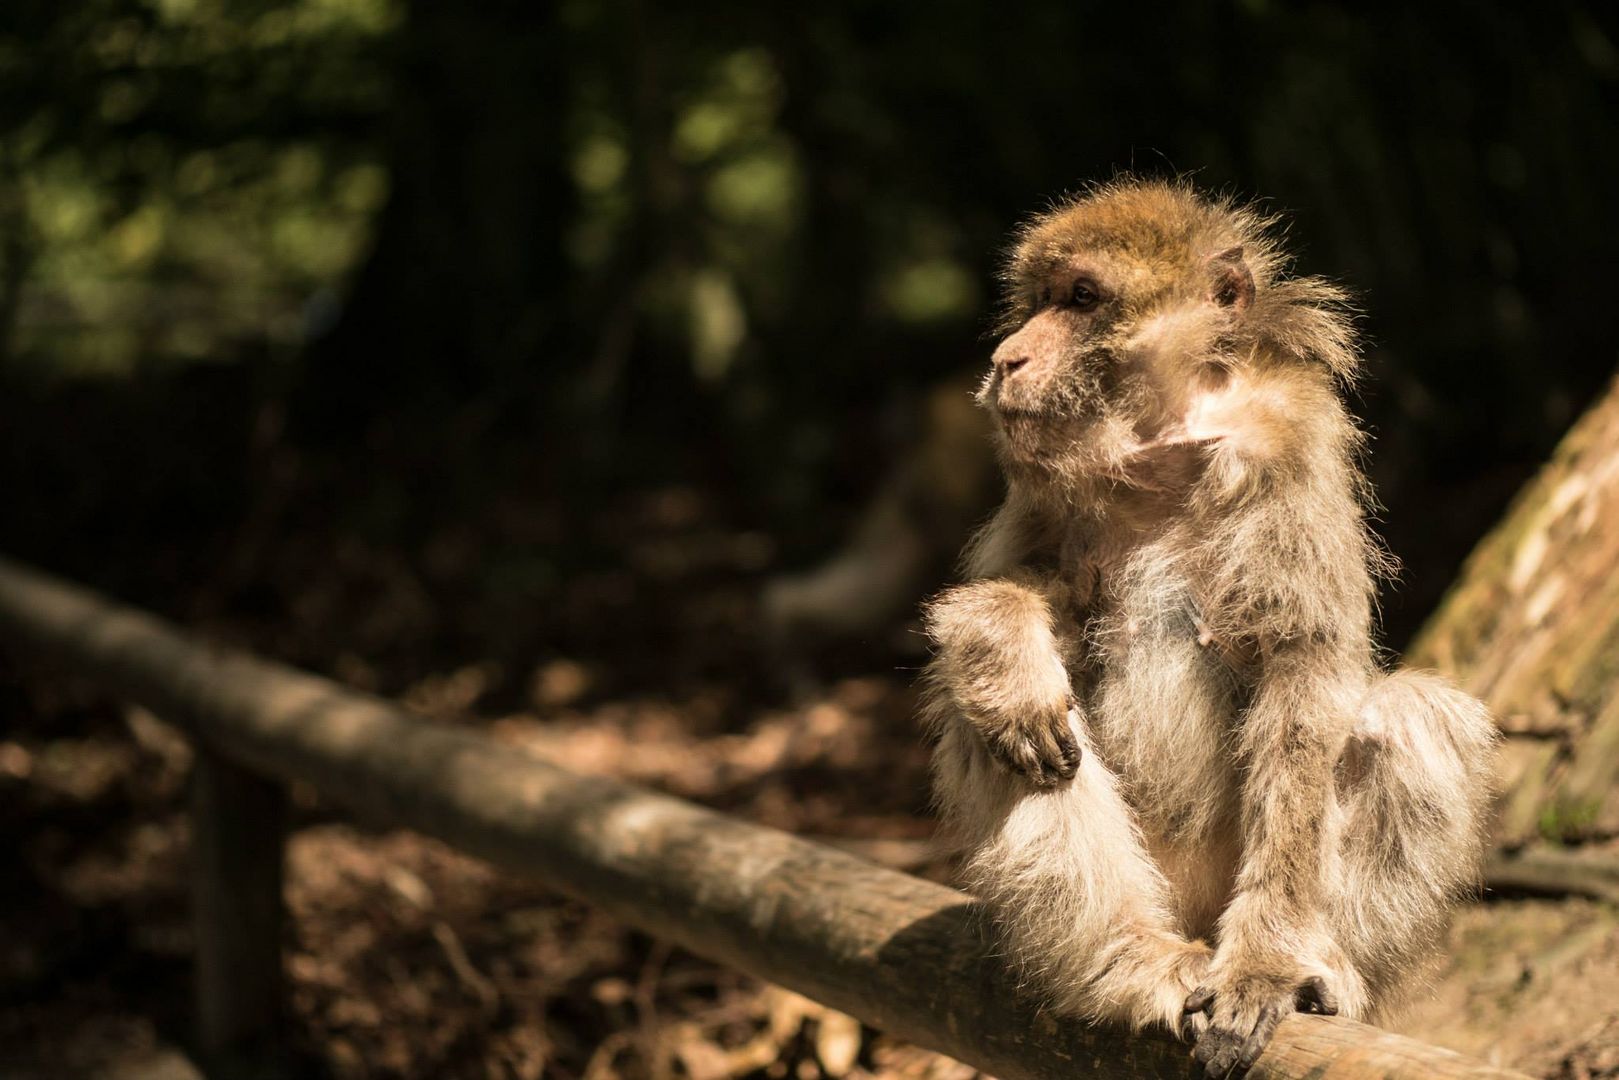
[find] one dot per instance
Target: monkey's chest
(1161, 705)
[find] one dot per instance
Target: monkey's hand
(1241, 1012)
(999, 661)
(1040, 746)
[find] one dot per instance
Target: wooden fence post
(238, 821)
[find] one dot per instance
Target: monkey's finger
(1043, 739)
(1040, 762)
(1019, 755)
(1200, 1000)
(1055, 746)
(1003, 748)
(1269, 1017)
(1315, 997)
(1033, 751)
(1069, 753)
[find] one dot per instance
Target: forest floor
(406, 959)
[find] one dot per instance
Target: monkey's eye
(1084, 296)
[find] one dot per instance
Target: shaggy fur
(1165, 748)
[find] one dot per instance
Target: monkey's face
(1050, 379)
(1115, 322)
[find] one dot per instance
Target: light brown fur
(1165, 747)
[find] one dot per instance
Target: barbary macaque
(1175, 772)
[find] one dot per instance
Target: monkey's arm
(999, 661)
(1276, 953)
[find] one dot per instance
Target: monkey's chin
(1037, 440)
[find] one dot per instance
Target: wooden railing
(902, 954)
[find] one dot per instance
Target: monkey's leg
(1414, 785)
(1080, 904)
(1276, 947)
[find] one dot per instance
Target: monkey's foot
(1188, 967)
(1045, 750)
(1242, 1016)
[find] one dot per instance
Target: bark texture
(1532, 627)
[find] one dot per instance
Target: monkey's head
(1131, 307)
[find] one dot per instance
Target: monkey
(1166, 750)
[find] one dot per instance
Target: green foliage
(1562, 821)
(185, 175)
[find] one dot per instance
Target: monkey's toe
(1224, 1051)
(1215, 1048)
(1314, 996)
(1254, 1045)
(1218, 1052)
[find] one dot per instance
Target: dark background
(408, 339)
(360, 271)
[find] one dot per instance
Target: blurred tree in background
(181, 179)
(604, 243)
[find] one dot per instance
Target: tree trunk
(1532, 627)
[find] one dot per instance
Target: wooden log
(237, 823)
(902, 954)
(1532, 627)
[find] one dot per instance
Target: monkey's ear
(1233, 282)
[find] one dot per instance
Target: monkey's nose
(1010, 364)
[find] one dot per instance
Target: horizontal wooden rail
(902, 954)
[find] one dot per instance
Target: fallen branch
(902, 954)
(1550, 871)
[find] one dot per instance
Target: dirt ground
(1530, 984)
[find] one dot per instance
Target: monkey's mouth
(1017, 404)
(1022, 415)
